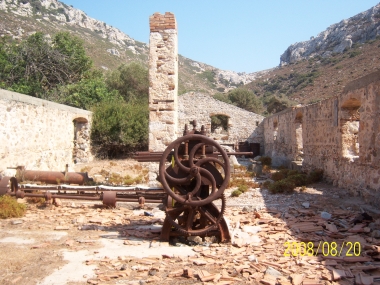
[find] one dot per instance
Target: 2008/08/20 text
(325, 248)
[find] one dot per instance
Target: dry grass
(287, 180)
(117, 179)
(36, 200)
(9, 208)
(266, 169)
(86, 169)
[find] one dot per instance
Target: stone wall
(41, 135)
(163, 80)
(242, 125)
(340, 135)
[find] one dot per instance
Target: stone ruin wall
(340, 135)
(163, 81)
(242, 125)
(41, 135)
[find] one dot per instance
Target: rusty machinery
(109, 195)
(194, 171)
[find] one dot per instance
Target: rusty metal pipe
(83, 197)
(52, 177)
(137, 200)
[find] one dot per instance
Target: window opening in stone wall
(299, 140)
(275, 130)
(81, 140)
(219, 124)
(350, 126)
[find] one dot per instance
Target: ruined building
(40, 134)
(340, 135)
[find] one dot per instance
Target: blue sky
(237, 35)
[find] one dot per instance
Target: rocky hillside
(320, 68)
(107, 45)
(311, 80)
(308, 71)
(337, 38)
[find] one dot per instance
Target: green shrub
(90, 90)
(131, 81)
(298, 179)
(37, 65)
(243, 188)
(293, 172)
(266, 184)
(208, 75)
(282, 186)
(314, 176)
(236, 193)
(284, 172)
(9, 208)
(119, 128)
(245, 99)
(355, 53)
(219, 121)
(277, 176)
(266, 160)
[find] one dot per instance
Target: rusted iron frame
(22, 194)
(195, 142)
(156, 156)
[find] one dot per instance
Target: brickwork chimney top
(160, 22)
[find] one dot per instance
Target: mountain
(317, 69)
(107, 45)
(308, 71)
(337, 38)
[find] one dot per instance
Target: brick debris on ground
(261, 251)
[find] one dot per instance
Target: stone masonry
(41, 135)
(242, 125)
(340, 135)
(163, 81)
(163, 85)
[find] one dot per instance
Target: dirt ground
(86, 243)
(102, 170)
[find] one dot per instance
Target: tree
(119, 127)
(276, 105)
(245, 99)
(87, 92)
(131, 81)
(72, 47)
(222, 97)
(219, 121)
(36, 66)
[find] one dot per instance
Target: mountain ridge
(337, 37)
(56, 13)
(308, 71)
